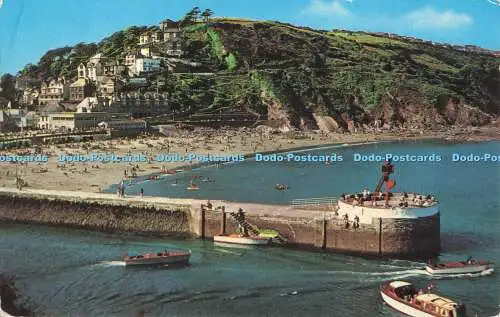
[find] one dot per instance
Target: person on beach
(142, 192)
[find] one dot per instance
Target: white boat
(237, 239)
(459, 267)
(163, 257)
(402, 296)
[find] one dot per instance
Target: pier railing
(323, 203)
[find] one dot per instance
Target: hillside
(308, 78)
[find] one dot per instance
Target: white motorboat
(238, 239)
(459, 267)
(403, 297)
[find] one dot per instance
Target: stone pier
(306, 229)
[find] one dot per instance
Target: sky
(29, 28)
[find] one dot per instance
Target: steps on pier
(242, 222)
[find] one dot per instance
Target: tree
(28, 70)
(8, 87)
(191, 16)
(195, 13)
(207, 14)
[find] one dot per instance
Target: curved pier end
(418, 237)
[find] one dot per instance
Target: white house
(89, 104)
(30, 96)
(143, 65)
(131, 58)
(123, 127)
(54, 91)
(69, 121)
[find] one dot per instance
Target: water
(77, 273)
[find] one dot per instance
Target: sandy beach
(92, 177)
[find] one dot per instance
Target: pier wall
(384, 237)
(98, 216)
(186, 218)
(418, 236)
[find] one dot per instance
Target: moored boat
(162, 257)
(239, 239)
(469, 266)
(282, 187)
(403, 297)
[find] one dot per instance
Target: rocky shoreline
(9, 296)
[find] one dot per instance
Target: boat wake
(110, 263)
(384, 276)
(387, 273)
(402, 274)
(228, 252)
(397, 273)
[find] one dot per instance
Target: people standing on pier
(355, 223)
(241, 220)
(366, 194)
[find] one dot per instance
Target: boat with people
(282, 187)
(403, 297)
(162, 257)
(468, 266)
(242, 239)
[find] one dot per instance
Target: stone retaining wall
(96, 215)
